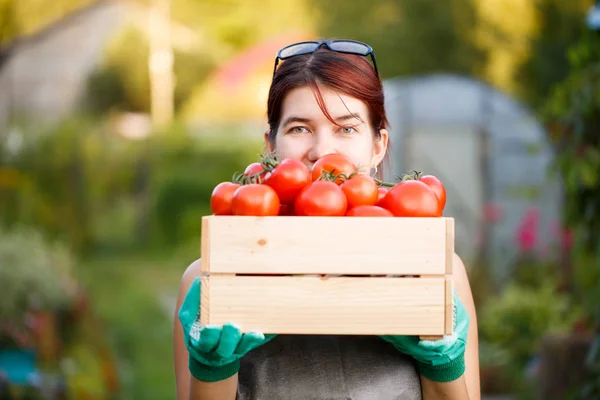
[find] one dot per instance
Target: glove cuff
(445, 372)
(207, 373)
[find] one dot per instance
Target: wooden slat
(325, 245)
(449, 245)
(205, 298)
(431, 337)
(449, 318)
(448, 311)
(313, 305)
(205, 248)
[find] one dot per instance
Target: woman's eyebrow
(349, 116)
(303, 120)
(291, 119)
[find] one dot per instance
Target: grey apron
(304, 367)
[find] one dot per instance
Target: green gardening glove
(214, 351)
(439, 360)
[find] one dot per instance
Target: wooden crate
(265, 273)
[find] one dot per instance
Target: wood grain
(340, 305)
(326, 245)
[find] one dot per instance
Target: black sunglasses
(340, 46)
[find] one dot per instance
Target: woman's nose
(321, 146)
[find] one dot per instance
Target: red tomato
(360, 190)
(437, 186)
(286, 210)
(334, 163)
(255, 199)
(412, 199)
(381, 192)
(321, 198)
(253, 169)
(220, 200)
(288, 179)
(369, 211)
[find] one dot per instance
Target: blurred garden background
(117, 119)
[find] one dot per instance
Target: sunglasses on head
(340, 46)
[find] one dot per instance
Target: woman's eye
(347, 130)
(298, 129)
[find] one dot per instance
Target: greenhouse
(492, 155)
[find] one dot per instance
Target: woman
(326, 97)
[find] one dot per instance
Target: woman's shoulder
(191, 272)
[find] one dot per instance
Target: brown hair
(350, 74)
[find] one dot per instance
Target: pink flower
(527, 231)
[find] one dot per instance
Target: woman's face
(306, 134)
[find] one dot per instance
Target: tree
(560, 24)
(409, 37)
(572, 112)
(207, 35)
(19, 18)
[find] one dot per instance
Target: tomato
(253, 169)
(369, 211)
(286, 210)
(255, 199)
(288, 179)
(437, 186)
(222, 195)
(321, 198)
(334, 163)
(360, 190)
(381, 192)
(412, 199)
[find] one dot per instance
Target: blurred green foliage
(43, 309)
(572, 113)
(200, 46)
(34, 275)
(513, 322)
(409, 37)
(18, 18)
(121, 82)
(517, 320)
(132, 295)
(560, 24)
(131, 212)
(85, 184)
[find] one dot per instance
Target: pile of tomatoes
(333, 187)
